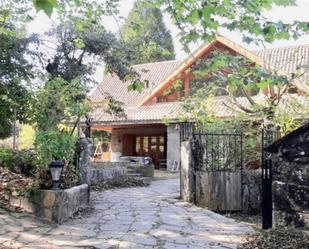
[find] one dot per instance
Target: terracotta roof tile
(220, 106)
(288, 59)
(155, 73)
(156, 112)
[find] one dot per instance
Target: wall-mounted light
(177, 127)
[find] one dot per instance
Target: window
(161, 99)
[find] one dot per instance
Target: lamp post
(55, 170)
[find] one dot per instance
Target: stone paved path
(141, 217)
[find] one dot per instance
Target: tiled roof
(220, 106)
(288, 59)
(154, 73)
(153, 113)
(285, 59)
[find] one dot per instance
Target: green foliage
(233, 77)
(59, 101)
(19, 161)
(102, 136)
(6, 158)
(32, 190)
(286, 121)
(14, 69)
(26, 136)
(177, 86)
(146, 35)
(24, 162)
(45, 5)
(136, 86)
(201, 20)
(53, 145)
(166, 120)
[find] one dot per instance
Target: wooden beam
(187, 86)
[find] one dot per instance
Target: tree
(15, 71)
(145, 33)
(201, 20)
(237, 78)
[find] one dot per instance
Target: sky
(287, 14)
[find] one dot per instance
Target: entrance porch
(158, 141)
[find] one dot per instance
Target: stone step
(131, 171)
(135, 174)
(145, 179)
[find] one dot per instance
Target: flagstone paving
(140, 217)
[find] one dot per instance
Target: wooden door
(219, 191)
(128, 145)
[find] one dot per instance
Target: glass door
(152, 146)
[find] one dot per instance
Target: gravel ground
(277, 238)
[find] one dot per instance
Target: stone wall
(252, 190)
(173, 148)
(52, 205)
(118, 171)
(146, 170)
(85, 145)
(291, 190)
(108, 174)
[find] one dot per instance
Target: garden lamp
(55, 170)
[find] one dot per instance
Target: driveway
(140, 217)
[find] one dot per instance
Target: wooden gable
(168, 92)
(183, 74)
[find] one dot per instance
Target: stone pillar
(116, 143)
(186, 173)
(173, 148)
(85, 159)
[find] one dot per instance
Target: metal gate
(218, 163)
(268, 137)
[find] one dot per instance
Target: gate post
(267, 194)
(187, 181)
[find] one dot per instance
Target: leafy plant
(32, 190)
(54, 145)
(21, 161)
(59, 101)
(26, 136)
(6, 158)
(202, 20)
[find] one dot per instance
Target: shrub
(54, 145)
(19, 161)
(26, 137)
(6, 158)
(24, 162)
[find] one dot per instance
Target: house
(142, 130)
